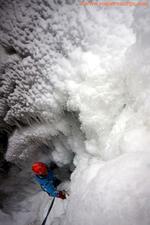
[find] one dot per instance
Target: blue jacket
(47, 183)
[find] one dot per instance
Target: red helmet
(39, 168)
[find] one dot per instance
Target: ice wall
(75, 89)
(117, 192)
(55, 66)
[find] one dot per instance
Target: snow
(117, 193)
(75, 88)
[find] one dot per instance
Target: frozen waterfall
(75, 90)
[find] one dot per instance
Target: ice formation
(74, 88)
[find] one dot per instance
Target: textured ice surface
(117, 193)
(74, 85)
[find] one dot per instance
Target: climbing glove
(62, 195)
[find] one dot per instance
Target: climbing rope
(51, 205)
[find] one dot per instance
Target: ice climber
(47, 180)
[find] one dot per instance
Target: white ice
(75, 83)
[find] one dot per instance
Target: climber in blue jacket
(47, 180)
